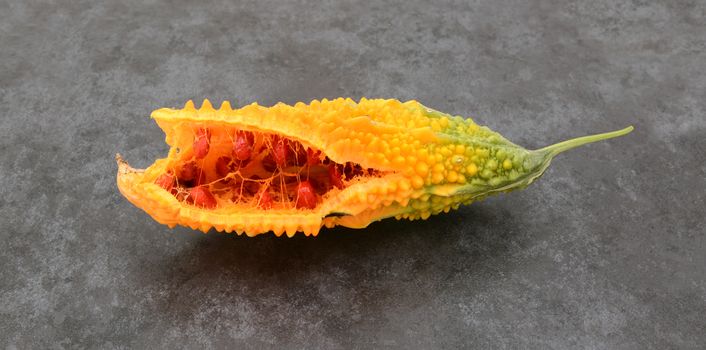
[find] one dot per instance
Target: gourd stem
(557, 148)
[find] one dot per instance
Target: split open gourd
(298, 168)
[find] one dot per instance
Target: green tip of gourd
(553, 150)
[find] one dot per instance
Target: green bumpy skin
(469, 162)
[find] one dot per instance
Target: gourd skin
(429, 162)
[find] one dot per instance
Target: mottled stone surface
(607, 250)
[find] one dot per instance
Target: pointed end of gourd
(126, 179)
(553, 150)
(124, 167)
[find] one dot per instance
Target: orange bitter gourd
(332, 162)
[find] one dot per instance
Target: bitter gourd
(332, 162)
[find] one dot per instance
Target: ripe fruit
(341, 162)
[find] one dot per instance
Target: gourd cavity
(221, 167)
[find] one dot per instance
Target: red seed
(201, 148)
(242, 146)
(281, 152)
(265, 201)
(188, 172)
(223, 167)
(306, 198)
(165, 181)
(201, 143)
(202, 197)
(335, 176)
(312, 157)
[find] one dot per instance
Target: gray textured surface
(607, 250)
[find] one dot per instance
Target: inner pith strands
(226, 166)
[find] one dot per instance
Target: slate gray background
(607, 250)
